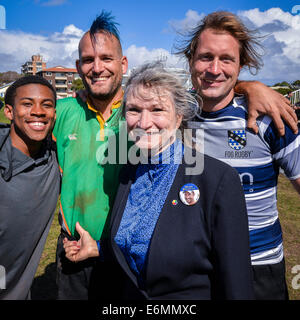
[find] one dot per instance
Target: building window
(60, 82)
(60, 74)
(48, 73)
(61, 90)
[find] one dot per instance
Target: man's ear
(124, 62)
(9, 112)
(78, 67)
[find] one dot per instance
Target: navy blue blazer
(196, 252)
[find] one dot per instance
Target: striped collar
(116, 104)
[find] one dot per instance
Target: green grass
(2, 117)
(289, 211)
(44, 286)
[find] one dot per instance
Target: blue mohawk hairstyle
(105, 22)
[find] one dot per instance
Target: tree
(282, 84)
(296, 83)
(283, 91)
(9, 76)
(77, 85)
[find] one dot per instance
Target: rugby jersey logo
(72, 136)
(237, 139)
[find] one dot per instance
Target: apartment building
(61, 79)
(4, 88)
(35, 65)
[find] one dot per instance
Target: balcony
(60, 77)
(61, 85)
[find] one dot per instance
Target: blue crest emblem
(237, 139)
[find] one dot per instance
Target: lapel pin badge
(189, 194)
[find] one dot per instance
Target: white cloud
(50, 3)
(139, 55)
(282, 43)
(59, 48)
(261, 18)
(191, 19)
(281, 60)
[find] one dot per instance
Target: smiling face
(215, 67)
(101, 65)
(151, 118)
(32, 116)
(189, 197)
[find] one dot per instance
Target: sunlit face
(33, 114)
(101, 65)
(215, 67)
(189, 197)
(151, 118)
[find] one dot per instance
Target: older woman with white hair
(167, 244)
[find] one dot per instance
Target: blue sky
(54, 27)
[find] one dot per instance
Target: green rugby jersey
(88, 187)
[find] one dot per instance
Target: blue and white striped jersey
(257, 158)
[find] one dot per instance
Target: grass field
(289, 208)
(2, 117)
(289, 213)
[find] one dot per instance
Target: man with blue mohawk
(89, 187)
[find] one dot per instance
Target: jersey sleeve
(285, 150)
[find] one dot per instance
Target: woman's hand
(86, 247)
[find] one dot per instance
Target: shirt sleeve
(285, 150)
(58, 122)
(231, 251)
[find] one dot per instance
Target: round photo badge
(189, 194)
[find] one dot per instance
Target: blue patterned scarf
(146, 198)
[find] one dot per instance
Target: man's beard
(102, 96)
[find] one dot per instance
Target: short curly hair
(11, 91)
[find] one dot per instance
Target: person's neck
(105, 106)
(212, 105)
(23, 144)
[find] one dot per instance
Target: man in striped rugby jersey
(218, 49)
